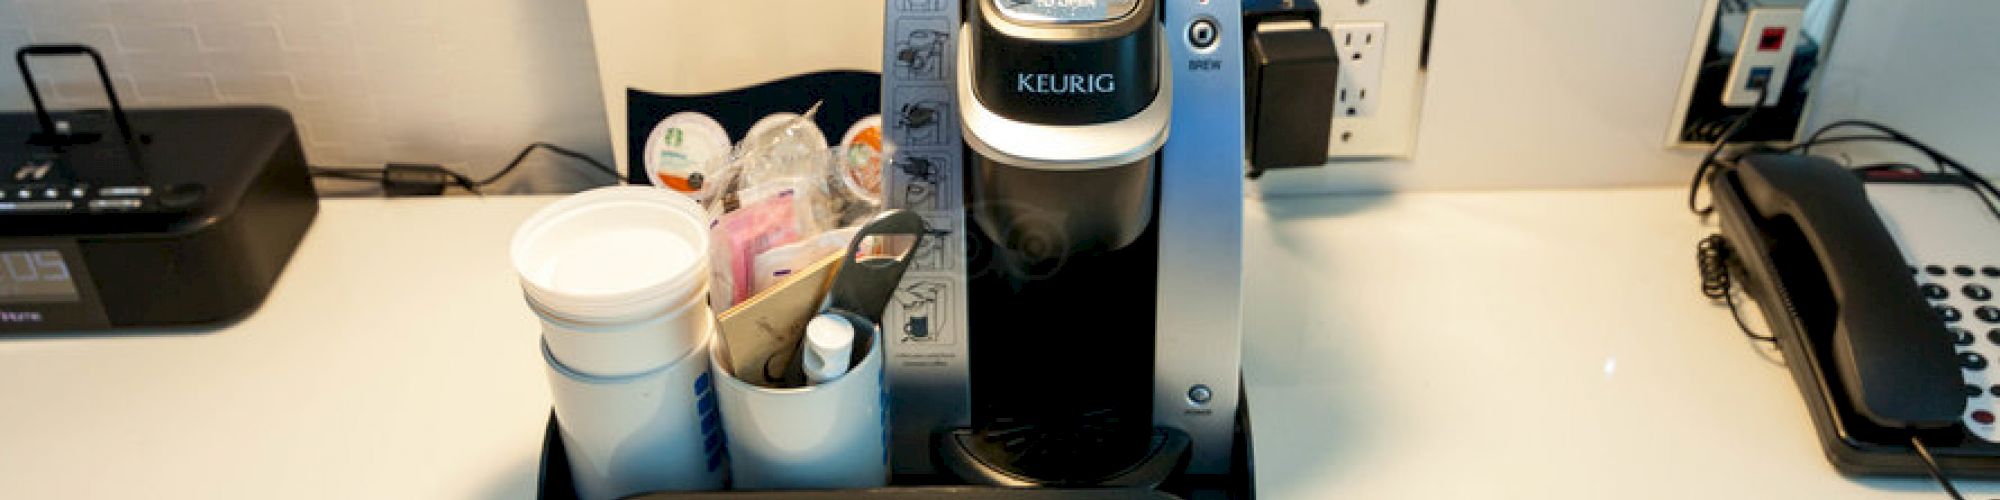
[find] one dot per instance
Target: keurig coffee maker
(1079, 322)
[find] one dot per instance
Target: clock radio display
(35, 276)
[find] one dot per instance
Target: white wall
(1562, 93)
(1520, 93)
(1929, 68)
(1537, 93)
(460, 82)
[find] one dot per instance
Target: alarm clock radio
(153, 218)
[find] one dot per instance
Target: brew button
(1203, 33)
(1934, 291)
(1978, 292)
(114, 204)
(113, 191)
(1971, 361)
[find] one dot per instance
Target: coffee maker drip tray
(1031, 455)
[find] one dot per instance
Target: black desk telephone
(1879, 290)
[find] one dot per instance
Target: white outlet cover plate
(1390, 129)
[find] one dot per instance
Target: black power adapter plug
(415, 179)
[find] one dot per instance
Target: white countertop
(1450, 345)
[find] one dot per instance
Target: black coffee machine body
(1078, 322)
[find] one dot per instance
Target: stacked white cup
(619, 277)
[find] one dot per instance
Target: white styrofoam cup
(654, 431)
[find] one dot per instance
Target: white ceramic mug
(826, 436)
(655, 431)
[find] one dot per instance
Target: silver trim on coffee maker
(1063, 147)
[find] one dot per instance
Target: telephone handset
(1875, 360)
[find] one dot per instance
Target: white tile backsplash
(465, 83)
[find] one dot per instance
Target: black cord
(1711, 256)
(1709, 163)
(1931, 464)
(1894, 166)
(1712, 259)
(1898, 136)
(381, 175)
(1806, 146)
(460, 180)
(1988, 193)
(601, 167)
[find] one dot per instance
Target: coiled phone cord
(1712, 258)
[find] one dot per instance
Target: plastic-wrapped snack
(779, 192)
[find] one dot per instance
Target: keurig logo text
(1049, 83)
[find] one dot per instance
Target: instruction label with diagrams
(925, 322)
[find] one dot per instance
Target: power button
(1203, 33)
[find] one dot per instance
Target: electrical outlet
(1388, 38)
(1361, 46)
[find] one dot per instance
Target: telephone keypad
(1956, 290)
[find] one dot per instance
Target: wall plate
(1387, 125)
(1710, 96)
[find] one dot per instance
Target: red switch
(1773, 39)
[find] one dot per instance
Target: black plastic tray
(556, 482)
